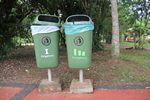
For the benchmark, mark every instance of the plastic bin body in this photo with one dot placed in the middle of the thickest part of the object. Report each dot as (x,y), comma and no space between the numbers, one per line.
(79,47)
(46,54)
(46,44)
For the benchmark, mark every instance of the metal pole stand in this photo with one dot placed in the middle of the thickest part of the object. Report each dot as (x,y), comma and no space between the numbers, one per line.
(81,76)
(49,75)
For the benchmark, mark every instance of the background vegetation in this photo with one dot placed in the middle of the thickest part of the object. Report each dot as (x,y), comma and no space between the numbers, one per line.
(17,16)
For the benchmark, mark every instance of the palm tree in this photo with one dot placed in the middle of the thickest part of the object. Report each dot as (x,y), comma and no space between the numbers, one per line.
(115,29)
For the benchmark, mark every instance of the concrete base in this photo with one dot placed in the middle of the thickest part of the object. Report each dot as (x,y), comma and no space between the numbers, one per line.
(78,87)
(49,87)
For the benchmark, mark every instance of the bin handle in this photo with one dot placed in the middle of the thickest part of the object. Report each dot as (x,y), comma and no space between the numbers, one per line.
(78,15)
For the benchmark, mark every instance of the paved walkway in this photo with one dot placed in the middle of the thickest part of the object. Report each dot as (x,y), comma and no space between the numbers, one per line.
(30,92)
(129,94)
(7,92)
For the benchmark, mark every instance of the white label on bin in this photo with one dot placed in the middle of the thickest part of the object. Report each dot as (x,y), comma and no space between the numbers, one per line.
(43,29)
(46,51)
(46,56)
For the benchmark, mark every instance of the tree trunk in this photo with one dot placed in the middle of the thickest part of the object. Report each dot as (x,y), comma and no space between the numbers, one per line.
(115,29)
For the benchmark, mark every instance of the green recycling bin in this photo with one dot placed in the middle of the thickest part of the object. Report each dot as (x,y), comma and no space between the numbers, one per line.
(78,30)
(45,32)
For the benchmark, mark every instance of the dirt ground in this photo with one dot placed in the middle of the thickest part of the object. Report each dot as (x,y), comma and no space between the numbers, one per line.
(22,68)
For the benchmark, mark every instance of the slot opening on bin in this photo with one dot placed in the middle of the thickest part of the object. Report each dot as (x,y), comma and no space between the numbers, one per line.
(48,18)
(78,18)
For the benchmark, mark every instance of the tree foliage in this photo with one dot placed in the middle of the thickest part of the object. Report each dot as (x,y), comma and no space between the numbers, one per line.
(135,14)
(12,13)
(18,15)
(99,11)
(92,8)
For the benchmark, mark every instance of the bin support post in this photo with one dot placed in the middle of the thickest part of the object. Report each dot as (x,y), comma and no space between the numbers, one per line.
(81,76)
(49,85)
(49,75)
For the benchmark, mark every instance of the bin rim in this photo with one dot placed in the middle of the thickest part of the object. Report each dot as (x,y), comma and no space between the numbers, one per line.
(79,22)
(37,22)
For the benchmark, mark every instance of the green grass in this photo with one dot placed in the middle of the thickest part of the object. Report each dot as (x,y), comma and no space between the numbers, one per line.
(138,56)
(137,68)
(141,78)
(132,44)
(127,43)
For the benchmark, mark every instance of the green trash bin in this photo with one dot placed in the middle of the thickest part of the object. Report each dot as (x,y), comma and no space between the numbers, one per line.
(78,30)
(45,31)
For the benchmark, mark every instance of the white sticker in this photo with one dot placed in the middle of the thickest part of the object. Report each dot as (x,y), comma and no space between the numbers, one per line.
(46,51)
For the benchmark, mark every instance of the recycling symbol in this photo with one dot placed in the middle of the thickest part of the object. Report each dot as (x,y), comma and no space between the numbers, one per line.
(46,41)
(78,41)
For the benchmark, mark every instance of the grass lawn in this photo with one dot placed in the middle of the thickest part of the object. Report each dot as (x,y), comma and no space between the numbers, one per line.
(132,44)
(138,69)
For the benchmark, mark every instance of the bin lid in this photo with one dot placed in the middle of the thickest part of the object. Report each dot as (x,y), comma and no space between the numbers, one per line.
(44,19)
(77,24)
